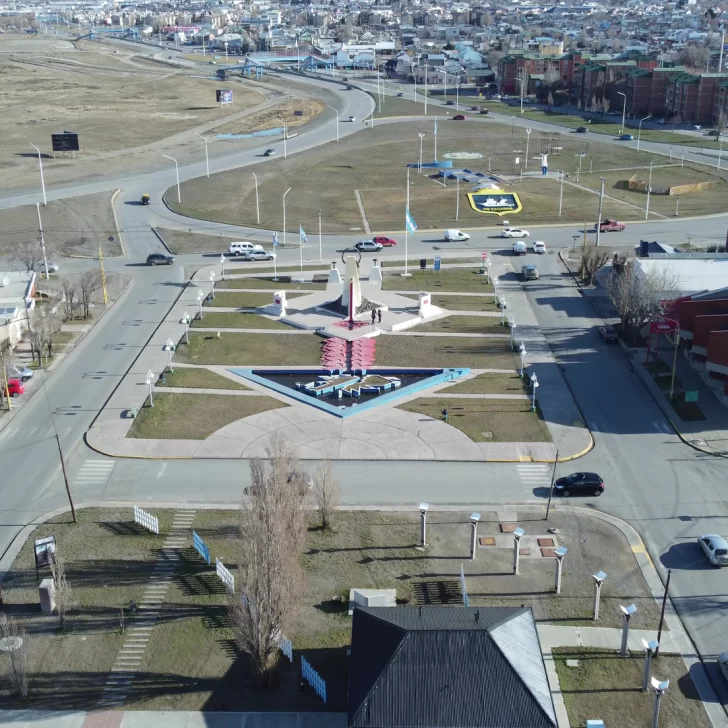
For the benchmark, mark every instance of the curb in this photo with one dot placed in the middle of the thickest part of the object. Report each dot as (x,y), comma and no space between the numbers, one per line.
(161,239)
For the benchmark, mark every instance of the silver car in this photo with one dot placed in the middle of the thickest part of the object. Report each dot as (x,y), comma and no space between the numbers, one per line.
(18,371)
(715,548)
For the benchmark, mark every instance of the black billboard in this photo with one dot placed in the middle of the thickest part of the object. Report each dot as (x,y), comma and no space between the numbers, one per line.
(224,96)
(65,142)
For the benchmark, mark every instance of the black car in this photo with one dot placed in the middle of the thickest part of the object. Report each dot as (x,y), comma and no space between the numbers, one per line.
(449,103)
(269,153)
(579,484)
(159,259)
(609,334)
(581,130)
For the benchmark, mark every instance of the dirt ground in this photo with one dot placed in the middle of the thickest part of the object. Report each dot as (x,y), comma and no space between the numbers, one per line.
(72,226)
(284,113)
(371,168)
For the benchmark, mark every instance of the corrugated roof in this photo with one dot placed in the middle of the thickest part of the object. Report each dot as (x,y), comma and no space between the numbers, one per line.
(443,667)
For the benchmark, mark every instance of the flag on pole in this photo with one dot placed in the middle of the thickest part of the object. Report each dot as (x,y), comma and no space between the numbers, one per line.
(302,235)
(275,240)
(435,126)
(409,221)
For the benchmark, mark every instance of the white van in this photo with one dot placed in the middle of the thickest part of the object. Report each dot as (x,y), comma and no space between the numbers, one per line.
(519,248)
(456,236)
(243,247)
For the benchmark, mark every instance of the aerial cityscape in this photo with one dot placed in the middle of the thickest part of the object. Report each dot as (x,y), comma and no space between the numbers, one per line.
(364,365)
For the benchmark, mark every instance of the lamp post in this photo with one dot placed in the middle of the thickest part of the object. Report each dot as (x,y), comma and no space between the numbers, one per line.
(421,135)
(457,199)
(169,346)
(624,110)
(457,97)
(474,518)
(561,193)
(513,328)
(222,266)
(560,553)
(150,382)
(520,80)
(200,296)
(649,179)
(528,139)
(660,688)
(599,578)
(285,136)
(649,648)
(321,254)
(534,386)
(257,205)
(502,304)
(495,289)
(212,284)
(647,204)
(517,533)
(176,169)
(522,352)
(720,149)
(207,158)
(423,524)
(42,180)
(337,121)
(186,322)
(639,130)
(627,612)
(284,216)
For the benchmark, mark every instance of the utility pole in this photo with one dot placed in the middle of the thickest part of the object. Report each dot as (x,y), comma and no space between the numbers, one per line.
(662,611)
(599,213)
(65,479)
(42,240)
(103,275)
(551,488)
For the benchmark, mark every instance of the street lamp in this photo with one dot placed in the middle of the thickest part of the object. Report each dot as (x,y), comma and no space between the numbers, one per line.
(257,204)
(42,181)
(212,284)
(639,130)
(522,352)
(495,286)
(649,648)
(285,136)
(599,578)
(627,612)
(150,382)
(423,524)
(660,688)
(520,80)
(647,203)
(502,303)
(337,121)
(720,147)
(534,385)
(169,346)
(513,328)
(560,553)
(528,139)
(222,266)
(186,322)
(517,533)
(284,216)
(200,296)
(474,518)
(207,158)
(421,135)
(624,110)
(176,168)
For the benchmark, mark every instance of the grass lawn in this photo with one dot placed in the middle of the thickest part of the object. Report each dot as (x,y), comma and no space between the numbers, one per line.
(251,349)
(506,421)
(177,416)
(180,242)
(250,269)
(198,378)
(489,383)
(415,262)
(607,686)
(463,303)
(451,279)
(393,106)
(687,411)
(282,284)
(465,325)
(243,300)
(443,351)
(64,337)
(226,320)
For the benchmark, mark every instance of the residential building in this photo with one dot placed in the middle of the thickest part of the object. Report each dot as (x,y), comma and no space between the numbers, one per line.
(17,289)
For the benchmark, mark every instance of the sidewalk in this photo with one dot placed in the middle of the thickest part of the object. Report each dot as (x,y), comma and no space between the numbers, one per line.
(610,638)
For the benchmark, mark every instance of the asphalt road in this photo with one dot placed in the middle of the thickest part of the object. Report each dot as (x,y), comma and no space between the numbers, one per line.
(669,492)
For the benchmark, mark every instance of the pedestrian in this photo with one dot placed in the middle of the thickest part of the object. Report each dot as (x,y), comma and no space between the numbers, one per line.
(374,316)
(379,315)
(444,415)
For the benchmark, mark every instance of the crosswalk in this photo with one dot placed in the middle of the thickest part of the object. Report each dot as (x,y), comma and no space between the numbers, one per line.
(534,475)
(94,472)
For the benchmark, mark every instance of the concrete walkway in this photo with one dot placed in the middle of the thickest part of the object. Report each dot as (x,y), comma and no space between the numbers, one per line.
(609,638)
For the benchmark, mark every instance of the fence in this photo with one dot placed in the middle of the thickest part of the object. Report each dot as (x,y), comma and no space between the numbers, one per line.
(225,576)
(147,520)
(201,547)
(287,648)
(313,678)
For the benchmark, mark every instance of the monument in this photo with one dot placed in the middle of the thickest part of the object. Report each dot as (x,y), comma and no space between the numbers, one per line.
(351,295)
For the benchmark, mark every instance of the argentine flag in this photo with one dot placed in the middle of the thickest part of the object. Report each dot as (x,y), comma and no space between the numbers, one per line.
(435,127)
(275,240)
(302,235)
(409,221)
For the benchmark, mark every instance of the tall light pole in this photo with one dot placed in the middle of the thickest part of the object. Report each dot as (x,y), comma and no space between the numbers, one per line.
(42,240)
(150,382)
(176,169)
(284,216)
(257,204)
(423,524)
(321,255)
(534,386)
(649,181)
(560,553)
(517,534)
(425,89)
(639,130)
(457,96)
(649,648)
(561,193)
(602,181)
(624,110)
(457,199)
(474,518)
(421,135)
(200,297)
(337,121)
(42,180)
(520,80)
(628,612)
(528,139)
(599,578)
(720,147)
(285,136)
(207,158)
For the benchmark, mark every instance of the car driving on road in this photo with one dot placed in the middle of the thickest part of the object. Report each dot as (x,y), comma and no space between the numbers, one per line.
(584,484)
(159,259)
(715,548)
(368,246)
(609,334)
(258,255)
(385,241)
(510,232)
(269,153)
(456,236)
(539,247)
(529,272)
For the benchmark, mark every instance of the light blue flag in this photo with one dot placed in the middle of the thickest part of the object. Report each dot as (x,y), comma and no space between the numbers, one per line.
(410,221)
(435,126)
(302,234)
(275,240)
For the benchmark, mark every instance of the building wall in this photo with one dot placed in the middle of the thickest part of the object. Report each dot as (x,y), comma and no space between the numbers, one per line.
(689,310)
(702,328)
(717,359)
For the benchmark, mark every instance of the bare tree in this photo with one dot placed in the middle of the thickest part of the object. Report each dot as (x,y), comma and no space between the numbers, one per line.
(592,259)
(69,286)
(326,492)
(27,252)
(36,337)
(61,588)
(638,298)
(14,631)
(88,283)
(52,323)
(272,530)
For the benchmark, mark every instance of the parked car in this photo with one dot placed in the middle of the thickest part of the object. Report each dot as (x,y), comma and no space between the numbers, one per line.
(626,138)
(269,153)
(609,334)
(459,117)
(456,236)
(529,272)
(510,232)
(539,247)
(15,388)
(579,484)
(18,371)
(159,259)
(258,255)
(715,548)
(582,130)
(368,246)
(243,246)
(611,226)
(384,241)
(519,248)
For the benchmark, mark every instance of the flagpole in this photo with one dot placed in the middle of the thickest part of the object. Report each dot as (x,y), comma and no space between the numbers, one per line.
(435,139)
(406,224)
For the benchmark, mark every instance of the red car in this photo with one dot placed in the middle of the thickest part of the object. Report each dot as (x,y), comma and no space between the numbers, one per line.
(15,387)
(612,226)
(459,117)
(386,242)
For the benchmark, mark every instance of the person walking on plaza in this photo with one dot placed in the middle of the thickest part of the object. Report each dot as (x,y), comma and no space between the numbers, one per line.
(379,315)
(374,316)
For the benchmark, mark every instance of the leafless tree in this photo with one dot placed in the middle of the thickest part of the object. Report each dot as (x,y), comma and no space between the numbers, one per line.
(638,298)
(88,283)
(36,337)
(69,286)
(10,628)
(52,323)
(592,259)
(61,588)
(272,530)
(27,252)
(694,57)
(326,492)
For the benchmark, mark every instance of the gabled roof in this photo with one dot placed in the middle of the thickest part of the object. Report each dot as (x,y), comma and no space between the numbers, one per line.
(447,667)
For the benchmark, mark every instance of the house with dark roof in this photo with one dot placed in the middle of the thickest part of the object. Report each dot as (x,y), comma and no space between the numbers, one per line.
(447,667)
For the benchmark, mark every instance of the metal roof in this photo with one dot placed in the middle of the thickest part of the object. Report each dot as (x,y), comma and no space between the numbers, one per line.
(447,667)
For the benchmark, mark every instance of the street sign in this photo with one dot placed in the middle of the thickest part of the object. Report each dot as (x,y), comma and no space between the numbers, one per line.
(437,263)
(692,396)
(662,327)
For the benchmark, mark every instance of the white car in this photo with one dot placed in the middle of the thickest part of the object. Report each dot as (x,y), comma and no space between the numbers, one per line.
(242,247)
(352,118)
(258,255)
(715,548)
(539,246)
(514,233)
(455,236)
(368,246)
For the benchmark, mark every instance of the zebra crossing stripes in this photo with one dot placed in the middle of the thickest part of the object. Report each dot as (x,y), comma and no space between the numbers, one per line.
(94,471)
(534,475)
